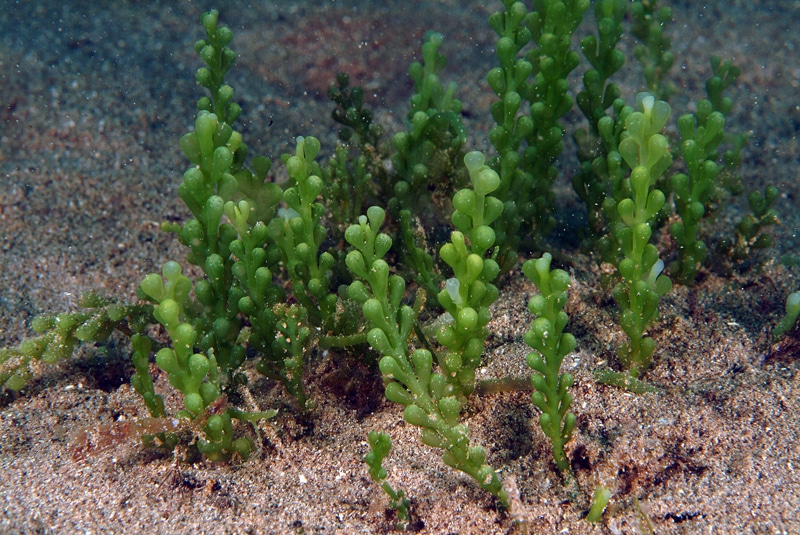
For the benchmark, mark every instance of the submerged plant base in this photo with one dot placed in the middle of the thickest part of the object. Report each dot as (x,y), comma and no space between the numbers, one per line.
(320,481)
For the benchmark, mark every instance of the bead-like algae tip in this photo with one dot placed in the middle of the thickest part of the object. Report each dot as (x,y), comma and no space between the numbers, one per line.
(793,304)
(647,102)
(790,319)
(452,286)
(474,160)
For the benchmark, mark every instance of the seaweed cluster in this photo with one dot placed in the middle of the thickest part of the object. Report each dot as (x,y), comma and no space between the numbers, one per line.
(398,246)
